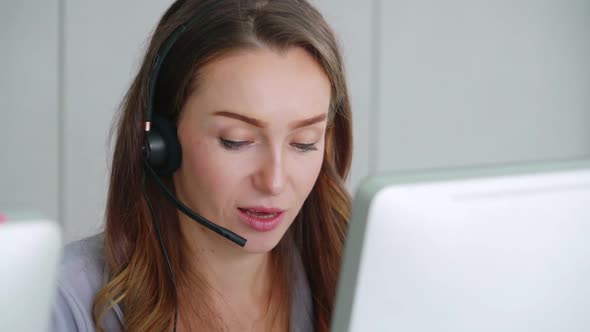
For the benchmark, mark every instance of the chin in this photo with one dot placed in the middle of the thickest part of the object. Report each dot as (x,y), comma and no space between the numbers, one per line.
(262,243)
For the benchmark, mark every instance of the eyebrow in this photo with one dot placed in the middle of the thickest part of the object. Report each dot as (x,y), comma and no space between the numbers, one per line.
(261,124)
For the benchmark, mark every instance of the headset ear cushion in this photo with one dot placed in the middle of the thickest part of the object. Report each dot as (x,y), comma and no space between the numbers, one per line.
(172,154)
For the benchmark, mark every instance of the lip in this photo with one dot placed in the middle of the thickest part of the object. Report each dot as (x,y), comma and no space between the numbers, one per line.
(261,224)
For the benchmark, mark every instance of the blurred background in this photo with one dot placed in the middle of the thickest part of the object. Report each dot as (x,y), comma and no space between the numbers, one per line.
(434,84)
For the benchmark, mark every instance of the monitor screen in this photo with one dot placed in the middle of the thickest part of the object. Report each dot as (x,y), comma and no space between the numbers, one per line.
(469,250)
(30,251)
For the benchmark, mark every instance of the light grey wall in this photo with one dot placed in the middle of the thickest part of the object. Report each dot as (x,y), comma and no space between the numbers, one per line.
(103,43)
(474,82)
(29,118)
(433,84)
(351,21)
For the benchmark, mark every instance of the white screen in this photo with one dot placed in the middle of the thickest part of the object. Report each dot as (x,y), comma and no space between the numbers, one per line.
(29,256)
(495,254)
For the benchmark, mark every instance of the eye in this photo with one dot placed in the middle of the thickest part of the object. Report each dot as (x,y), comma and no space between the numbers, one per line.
(305,147)
(233,145)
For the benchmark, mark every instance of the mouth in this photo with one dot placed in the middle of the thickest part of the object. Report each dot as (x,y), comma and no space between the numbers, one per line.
(262,219)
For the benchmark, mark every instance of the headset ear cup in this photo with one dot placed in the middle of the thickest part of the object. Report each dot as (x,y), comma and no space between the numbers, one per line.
(165,153)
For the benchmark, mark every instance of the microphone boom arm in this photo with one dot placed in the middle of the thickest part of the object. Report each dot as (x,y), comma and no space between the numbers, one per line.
(226,233)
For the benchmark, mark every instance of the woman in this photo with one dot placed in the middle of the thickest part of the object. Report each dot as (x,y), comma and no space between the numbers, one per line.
(254,94)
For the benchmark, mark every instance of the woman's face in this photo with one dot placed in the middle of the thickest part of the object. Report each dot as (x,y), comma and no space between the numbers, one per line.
(252,137)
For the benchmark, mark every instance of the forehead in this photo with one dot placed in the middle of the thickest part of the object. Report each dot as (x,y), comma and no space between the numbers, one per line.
(265,83)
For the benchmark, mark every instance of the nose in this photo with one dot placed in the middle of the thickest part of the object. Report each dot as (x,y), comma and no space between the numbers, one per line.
(270,176)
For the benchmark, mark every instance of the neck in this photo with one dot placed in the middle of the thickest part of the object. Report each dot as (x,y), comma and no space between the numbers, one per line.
(231,272)
(238,284)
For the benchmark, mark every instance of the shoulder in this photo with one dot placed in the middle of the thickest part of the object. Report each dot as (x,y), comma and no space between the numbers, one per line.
(82,264)
(81,275)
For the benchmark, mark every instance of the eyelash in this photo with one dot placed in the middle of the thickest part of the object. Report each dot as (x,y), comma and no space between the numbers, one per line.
(238,145)
(305,147)
(233,145)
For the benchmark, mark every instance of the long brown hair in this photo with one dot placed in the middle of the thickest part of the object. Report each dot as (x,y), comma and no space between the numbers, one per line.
(139,279)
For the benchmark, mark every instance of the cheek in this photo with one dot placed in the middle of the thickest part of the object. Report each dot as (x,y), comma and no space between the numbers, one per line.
(306,173)
(206,174)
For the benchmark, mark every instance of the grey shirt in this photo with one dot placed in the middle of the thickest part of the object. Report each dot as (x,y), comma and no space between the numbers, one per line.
(82,274)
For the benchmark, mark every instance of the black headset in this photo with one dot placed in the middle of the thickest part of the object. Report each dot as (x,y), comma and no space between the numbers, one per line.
(162,154)
(161,151)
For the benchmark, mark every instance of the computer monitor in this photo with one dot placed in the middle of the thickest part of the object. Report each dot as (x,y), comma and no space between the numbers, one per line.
(29,257)
(502,249)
